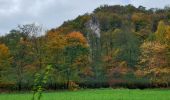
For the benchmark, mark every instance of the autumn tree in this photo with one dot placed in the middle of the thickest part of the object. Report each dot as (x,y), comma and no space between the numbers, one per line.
(153,62)
(5,61)
(76,55)
(163,35)
(161,32)
(54,46)
(21,50)
(68,54)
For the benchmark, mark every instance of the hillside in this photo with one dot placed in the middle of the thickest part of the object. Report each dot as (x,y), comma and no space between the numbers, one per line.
(114,46)
(137,25)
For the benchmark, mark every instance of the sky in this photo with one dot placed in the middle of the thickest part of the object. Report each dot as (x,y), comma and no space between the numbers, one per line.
(52,13)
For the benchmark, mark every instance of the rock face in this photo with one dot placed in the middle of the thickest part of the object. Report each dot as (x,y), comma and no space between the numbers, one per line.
(94,26)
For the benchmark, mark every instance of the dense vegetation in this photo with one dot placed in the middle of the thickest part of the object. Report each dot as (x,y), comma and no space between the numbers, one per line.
(115,46)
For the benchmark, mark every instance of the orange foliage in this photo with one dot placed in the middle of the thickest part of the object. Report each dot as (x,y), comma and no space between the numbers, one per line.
(4,52)
(77,37)
(4,56)
(55,40)
(140,17)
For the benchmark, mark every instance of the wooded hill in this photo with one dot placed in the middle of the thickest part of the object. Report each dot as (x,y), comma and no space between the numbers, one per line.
(115,46)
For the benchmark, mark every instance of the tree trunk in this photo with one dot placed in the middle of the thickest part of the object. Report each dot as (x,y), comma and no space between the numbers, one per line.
(68,79)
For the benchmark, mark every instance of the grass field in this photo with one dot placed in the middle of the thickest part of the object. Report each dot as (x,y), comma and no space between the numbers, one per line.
(98,94)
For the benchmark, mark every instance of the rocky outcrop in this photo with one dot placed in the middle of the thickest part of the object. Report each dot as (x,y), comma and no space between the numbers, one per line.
(94,26)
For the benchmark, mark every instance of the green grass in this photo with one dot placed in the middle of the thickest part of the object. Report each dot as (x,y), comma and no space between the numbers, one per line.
(97,94)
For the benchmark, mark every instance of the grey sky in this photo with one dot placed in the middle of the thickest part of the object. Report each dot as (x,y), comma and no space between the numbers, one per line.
(52,13)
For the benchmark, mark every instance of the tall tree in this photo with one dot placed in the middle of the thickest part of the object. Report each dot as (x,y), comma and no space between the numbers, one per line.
(5,61)
(54,46)
(76,51)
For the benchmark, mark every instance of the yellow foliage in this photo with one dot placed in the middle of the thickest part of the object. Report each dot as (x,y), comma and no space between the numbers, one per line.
(153,62)
(163,33)
(153,46)
(167,37)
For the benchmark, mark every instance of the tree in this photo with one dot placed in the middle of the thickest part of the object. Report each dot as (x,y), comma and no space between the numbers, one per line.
(153,62)
(54,46)
(120,53)
(161,32)
(5,61)
(142,24)
(37,41)
(76,50)
(22,55)
(163,36)
(127,43)
(167,38)
(68,54)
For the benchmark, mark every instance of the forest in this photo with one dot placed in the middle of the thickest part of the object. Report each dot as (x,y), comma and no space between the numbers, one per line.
(114,46)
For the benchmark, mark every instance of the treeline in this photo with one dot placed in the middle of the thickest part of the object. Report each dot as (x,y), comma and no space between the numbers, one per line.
(115,46)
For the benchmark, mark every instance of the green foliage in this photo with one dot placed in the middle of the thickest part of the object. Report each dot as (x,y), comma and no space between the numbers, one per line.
(5,62)
(39,81)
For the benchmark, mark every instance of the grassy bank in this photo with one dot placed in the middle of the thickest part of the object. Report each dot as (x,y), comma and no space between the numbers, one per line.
(96,94)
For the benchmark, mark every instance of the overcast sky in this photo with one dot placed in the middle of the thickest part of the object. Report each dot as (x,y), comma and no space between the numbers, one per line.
(52,13)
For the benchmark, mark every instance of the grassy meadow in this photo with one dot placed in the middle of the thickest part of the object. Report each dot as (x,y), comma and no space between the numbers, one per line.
(96,94)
